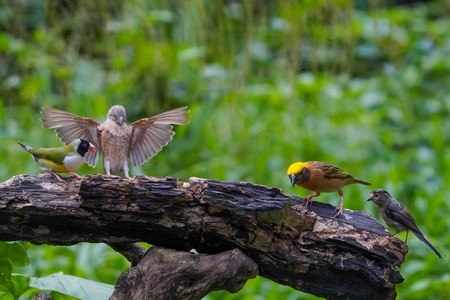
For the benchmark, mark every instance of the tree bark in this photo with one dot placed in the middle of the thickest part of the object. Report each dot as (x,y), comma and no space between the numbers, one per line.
(170,274)
(350,257)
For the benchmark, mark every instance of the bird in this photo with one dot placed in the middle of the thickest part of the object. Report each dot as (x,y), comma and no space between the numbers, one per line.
(66,159)
(397,217)
(321,177)
(139,141)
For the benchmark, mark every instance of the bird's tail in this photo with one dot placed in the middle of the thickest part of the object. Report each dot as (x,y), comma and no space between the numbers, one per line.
(421,237)
(25,147)
(357,180)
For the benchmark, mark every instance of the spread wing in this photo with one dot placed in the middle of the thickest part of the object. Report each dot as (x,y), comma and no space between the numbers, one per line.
(150,135)
(70,127)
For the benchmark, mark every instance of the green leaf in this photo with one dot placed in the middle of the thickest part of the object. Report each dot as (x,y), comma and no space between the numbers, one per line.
(21,285)
(73,286)
(5,294)
(5,275)
(15,253)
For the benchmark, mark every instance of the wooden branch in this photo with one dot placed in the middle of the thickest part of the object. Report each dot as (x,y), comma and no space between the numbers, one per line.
(131,251)
(350,257)
(169,274)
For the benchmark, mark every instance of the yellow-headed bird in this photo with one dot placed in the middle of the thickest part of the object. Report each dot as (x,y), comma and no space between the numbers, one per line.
(62,159)
(321,177)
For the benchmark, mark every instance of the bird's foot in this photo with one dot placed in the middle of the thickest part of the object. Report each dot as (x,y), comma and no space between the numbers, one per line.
(298,207)
(307,201)
(339,212)
(74,175)
(59,178)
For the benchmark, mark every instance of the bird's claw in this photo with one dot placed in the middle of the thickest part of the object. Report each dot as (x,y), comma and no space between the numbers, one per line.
(59,178)
(307,201)
(339,212)
(297,207)
(74,175)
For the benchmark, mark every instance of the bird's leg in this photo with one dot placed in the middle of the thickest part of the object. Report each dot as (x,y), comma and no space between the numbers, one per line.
(406,239)
(59,178)
(308,199)
(125,168)
(74,175)
(393,235)
(107,167)
(340,209)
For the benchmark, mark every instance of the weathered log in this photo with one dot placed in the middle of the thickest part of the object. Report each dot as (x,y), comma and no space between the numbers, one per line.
(352,256)
(170,274)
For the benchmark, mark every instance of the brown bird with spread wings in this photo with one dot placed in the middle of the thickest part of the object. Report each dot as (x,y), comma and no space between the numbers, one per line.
(139,141)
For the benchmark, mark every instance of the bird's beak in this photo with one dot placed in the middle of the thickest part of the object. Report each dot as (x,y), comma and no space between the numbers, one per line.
(293,179)
(370,197)
(92,148)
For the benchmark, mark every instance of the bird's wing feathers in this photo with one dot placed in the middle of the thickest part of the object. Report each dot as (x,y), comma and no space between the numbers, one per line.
(55,155)
(404,217)
(177,116)
(330,171)
(70,127)
(150,135)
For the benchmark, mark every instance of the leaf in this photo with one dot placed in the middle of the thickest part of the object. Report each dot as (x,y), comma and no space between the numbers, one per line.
(5,294)
(5,275)
(21,286)
(15,253)
(73,286)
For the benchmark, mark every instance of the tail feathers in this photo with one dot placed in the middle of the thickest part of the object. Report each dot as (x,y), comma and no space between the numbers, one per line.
(25,147)
(357,180)
(421,237)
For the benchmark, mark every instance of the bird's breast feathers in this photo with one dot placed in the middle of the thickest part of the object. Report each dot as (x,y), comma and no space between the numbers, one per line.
(319,183)
(116,140)
(70,164)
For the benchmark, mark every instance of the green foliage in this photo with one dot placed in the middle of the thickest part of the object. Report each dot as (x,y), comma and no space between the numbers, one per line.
(60,286)
(260,289)
(75,286)
(12,286)
(266,85)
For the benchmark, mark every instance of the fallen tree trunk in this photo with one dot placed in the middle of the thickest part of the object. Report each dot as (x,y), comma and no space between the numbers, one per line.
(350,257)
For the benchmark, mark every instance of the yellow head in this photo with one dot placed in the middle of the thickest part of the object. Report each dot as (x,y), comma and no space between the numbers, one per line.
(295,173)
(296,167)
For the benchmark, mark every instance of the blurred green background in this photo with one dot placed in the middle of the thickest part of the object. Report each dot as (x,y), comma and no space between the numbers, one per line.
(362,85)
